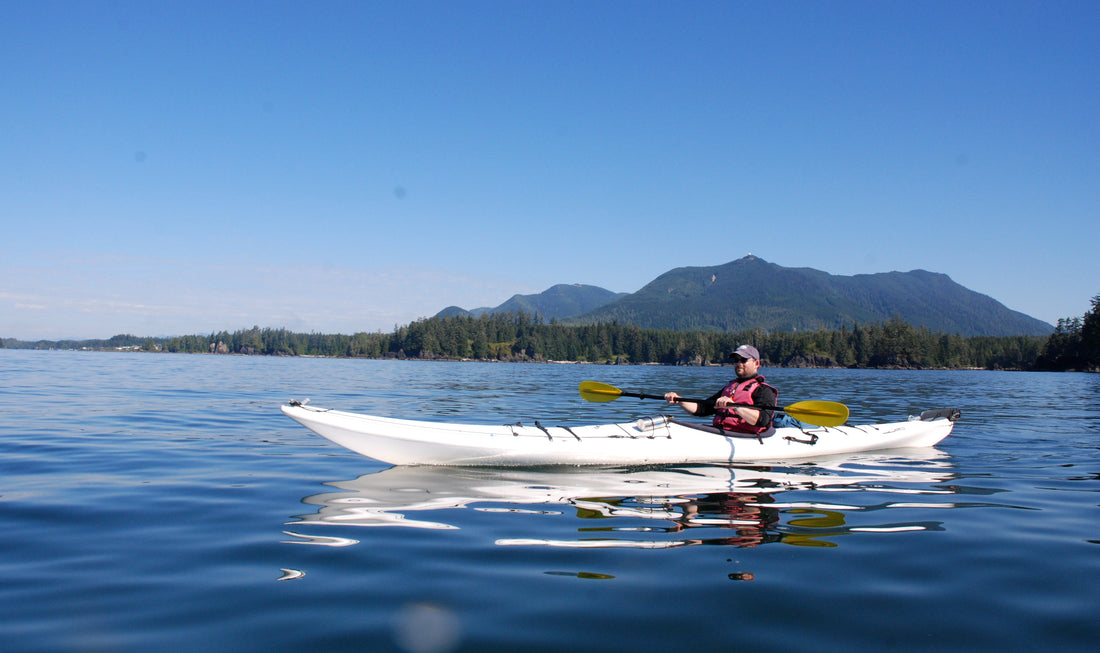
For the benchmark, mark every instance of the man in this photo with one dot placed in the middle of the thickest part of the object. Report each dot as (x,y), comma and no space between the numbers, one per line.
(749,389)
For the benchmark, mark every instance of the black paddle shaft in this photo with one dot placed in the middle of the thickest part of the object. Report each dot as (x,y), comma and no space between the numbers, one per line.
(642,395)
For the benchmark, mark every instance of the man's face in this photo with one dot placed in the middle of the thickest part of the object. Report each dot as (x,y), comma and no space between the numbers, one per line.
(745,367)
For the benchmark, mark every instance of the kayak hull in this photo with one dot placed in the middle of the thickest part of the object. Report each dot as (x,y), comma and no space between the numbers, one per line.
(651,441)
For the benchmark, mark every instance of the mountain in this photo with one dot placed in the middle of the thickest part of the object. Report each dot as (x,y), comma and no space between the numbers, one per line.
(558,302)
(752,293)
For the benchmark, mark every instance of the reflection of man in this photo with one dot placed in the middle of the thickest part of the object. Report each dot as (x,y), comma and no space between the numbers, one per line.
(741,512)
(749,389)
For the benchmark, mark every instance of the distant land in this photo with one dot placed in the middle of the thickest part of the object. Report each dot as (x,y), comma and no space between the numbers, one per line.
(751,293)
(796,317)
(559,302)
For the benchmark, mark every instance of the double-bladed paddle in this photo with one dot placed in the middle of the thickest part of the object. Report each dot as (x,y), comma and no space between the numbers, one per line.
(818,413)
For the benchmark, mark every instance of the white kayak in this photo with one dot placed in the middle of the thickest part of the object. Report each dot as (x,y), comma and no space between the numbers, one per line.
(657,440)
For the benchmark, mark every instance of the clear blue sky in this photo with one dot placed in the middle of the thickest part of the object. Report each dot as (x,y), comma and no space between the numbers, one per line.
(185,167)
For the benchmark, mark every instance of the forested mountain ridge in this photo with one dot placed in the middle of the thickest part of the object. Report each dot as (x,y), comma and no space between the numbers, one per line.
(751,293)
(558,302)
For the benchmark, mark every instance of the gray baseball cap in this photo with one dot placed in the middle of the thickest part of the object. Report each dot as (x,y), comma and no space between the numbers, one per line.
(746,351)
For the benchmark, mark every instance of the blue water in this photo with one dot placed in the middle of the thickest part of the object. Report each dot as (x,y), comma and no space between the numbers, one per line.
(156,501)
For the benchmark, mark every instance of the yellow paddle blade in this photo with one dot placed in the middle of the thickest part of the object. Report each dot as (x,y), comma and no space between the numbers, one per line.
(818,413)
(599,392)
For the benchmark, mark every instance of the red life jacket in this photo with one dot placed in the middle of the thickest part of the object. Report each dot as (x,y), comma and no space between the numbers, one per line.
(741,393)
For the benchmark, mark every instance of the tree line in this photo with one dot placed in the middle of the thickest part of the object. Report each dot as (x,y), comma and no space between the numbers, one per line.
(518,337)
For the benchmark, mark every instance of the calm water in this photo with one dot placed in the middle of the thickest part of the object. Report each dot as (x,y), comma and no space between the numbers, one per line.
(162,500)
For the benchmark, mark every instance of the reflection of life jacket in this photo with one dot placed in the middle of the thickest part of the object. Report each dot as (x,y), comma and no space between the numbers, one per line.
(741,393)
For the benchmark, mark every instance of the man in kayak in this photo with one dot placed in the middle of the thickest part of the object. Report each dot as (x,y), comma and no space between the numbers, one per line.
(749,388)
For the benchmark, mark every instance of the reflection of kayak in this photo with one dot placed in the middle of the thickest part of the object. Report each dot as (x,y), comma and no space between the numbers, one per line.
(635,500)
(435,488)
(651,441)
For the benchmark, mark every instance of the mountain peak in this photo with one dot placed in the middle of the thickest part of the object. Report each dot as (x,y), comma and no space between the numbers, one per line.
(751,293)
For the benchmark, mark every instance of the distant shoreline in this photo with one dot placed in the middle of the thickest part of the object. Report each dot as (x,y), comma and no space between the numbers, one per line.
(440,359)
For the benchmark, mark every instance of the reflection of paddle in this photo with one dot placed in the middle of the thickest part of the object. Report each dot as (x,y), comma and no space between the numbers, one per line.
(818,413)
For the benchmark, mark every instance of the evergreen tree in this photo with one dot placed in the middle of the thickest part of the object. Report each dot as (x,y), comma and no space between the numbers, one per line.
(1075,343)
(1090,336)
